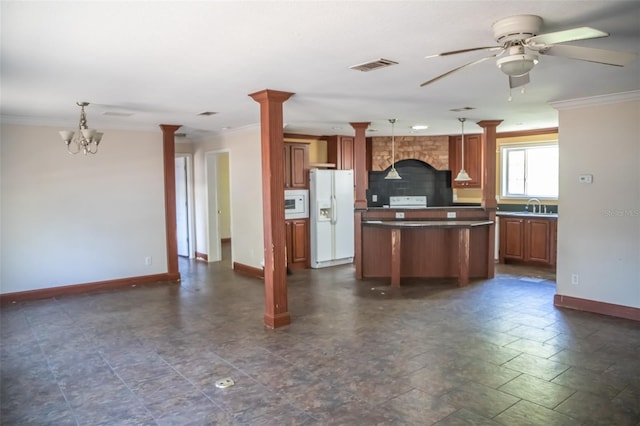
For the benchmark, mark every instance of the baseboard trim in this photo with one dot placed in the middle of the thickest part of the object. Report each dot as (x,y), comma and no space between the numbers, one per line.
(202,256)
(248,270)
(596,307)
(67,290)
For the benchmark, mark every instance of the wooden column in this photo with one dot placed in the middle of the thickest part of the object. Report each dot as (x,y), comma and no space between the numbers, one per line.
(360,164)
(276,309)
(489,188)
(396,243)
(463,256)
(169,164)
(361,185)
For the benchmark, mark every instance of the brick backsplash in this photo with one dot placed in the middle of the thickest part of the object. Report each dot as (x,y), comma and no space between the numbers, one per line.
(433,150)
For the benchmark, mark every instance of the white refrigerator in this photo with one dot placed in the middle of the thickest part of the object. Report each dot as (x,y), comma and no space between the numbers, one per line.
(332,223)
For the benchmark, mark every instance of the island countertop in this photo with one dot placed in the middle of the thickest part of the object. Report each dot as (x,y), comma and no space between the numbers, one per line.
(427,223)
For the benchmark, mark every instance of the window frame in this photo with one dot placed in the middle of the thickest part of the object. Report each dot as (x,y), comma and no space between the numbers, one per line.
(506,146)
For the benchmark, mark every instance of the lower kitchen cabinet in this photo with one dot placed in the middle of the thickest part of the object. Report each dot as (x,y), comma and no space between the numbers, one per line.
(297,240)
(528,239)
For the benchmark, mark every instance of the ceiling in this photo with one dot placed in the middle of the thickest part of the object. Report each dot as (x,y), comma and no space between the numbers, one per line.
(141,64)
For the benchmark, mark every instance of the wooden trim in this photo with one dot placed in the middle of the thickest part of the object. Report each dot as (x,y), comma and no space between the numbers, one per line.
(248,270)
(202,256)
(534,132)
(225,240)
(68,290)
(597,307)
(169,165)
(358,243)
(298,136)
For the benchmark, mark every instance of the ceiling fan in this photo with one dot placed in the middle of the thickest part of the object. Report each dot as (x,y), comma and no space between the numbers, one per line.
(520,44)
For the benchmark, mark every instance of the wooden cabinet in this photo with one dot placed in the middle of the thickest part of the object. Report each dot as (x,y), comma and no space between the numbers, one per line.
(528,239)
(296,165)
(340,152)
(297,241)
(472,160)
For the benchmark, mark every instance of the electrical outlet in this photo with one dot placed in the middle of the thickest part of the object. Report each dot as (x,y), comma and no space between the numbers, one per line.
(451,215)
(148,260)
(399,215)
(374,198)
(575,279)
(585,178)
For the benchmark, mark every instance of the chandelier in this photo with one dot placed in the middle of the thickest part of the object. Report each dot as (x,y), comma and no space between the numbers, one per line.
(86,140)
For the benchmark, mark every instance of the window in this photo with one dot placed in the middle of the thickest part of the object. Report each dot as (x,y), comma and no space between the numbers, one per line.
(530,170)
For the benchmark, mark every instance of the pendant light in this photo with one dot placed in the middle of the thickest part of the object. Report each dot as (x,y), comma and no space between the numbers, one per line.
(463,176)
(393,173)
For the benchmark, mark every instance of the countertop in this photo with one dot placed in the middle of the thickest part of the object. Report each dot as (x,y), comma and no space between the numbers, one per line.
(527,214)
(427,223)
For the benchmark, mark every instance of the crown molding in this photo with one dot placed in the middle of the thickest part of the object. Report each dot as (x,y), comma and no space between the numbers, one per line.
(614,98)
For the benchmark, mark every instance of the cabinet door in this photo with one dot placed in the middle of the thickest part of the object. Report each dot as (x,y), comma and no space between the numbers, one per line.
(346,152)
(299,232)
(299,155)
(512,238)
(472,160)
(287,165)
(538,247)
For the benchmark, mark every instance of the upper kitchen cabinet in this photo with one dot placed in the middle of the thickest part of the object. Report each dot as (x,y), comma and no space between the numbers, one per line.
(340,151)
(296,165)
(472,160)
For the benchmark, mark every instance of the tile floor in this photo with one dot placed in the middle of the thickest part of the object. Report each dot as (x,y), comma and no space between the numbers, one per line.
(357,353)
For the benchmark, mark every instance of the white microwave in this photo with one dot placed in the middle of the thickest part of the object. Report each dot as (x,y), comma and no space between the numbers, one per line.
(296,203)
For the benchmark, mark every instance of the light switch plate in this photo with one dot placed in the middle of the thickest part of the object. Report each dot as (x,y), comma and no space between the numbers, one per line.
(585,178)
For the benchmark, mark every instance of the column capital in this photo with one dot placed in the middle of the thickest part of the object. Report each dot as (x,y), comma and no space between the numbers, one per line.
(270,95)
(488,123)
(171,128)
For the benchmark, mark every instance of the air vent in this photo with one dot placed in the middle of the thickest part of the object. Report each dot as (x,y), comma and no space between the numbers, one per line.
(373,65)
(461,109)
(207,113)
(118,114)
(180,135)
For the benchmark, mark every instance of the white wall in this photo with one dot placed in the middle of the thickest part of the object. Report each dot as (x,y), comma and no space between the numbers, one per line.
(245,184)
(599,223)
(71,219)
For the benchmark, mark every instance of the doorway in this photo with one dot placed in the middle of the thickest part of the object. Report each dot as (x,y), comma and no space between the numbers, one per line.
(184,205)
(218,204)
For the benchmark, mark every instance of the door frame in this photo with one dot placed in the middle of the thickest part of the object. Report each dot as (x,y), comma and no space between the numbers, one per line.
(190,204)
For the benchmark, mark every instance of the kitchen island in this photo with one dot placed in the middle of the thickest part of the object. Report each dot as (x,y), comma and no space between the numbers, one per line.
(426,243)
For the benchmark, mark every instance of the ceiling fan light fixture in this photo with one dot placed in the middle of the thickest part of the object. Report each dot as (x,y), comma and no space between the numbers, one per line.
(517,65)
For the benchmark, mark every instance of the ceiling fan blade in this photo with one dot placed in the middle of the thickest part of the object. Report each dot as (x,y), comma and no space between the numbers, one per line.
(455,52)
(581,33)
(518,81)
(600,56)
(477,61)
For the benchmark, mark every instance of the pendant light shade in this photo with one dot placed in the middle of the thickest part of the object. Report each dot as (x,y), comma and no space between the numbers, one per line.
(463,176)
(393,173)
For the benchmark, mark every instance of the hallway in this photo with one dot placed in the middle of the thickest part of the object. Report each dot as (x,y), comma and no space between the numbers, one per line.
(357,352)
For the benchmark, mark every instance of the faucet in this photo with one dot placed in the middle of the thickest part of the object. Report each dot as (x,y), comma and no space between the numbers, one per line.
(532,200)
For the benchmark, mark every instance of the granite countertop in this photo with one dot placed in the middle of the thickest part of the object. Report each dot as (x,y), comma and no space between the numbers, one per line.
(426,208)
(427,223)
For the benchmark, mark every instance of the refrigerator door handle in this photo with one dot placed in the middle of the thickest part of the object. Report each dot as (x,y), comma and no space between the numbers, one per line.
(334,208)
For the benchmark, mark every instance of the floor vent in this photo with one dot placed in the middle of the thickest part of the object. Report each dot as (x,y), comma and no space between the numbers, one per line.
(373,65)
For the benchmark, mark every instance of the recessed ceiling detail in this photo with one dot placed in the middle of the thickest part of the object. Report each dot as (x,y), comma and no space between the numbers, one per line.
(373,65)
(461,109)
